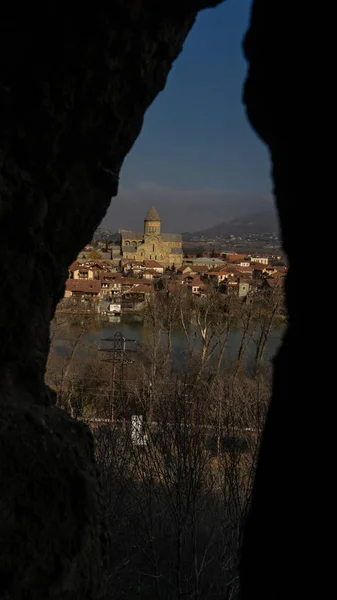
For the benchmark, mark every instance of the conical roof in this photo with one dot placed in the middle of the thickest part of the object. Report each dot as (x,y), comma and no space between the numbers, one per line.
(152,215)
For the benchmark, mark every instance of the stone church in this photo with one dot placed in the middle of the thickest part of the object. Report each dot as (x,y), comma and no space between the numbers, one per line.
(152,244)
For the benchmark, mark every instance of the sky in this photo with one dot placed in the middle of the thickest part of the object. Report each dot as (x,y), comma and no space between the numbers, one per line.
(197,158)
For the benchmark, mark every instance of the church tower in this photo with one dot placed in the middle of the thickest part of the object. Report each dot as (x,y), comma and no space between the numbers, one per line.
(152,222)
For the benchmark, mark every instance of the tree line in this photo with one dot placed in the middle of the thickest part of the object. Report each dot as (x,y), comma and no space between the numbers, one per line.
(176,491)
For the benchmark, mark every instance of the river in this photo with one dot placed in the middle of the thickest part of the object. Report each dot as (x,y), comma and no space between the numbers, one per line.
(132,327)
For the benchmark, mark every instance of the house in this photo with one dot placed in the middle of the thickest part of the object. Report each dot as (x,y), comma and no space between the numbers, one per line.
(153,264)
(243,263)
(199,269)
(105,288)
(222,275)
(229,272)
(262,260)
(150,274)
(281,270)
(261,271)
(139,266)
(258,271)
(237,258)
(184,270)
(214,276)
(79,271)
(109,283)
(229,286)
(192,270)
(125,283)
(188,278)
(136,266)
(204,261)
(138,293)
(195,286)
(117,284)
(246,271)
(97,267)
(82,287)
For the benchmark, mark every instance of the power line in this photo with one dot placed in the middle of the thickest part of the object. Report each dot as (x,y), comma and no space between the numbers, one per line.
(119,352)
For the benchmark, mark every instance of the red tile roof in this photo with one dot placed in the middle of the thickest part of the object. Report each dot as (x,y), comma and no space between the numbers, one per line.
(277,275)
(244,269)
(73,266)
(125,280)
(196,281)
(198,268)
(232,256)
(140,289)
(85,286)
(229,270)
(152,263)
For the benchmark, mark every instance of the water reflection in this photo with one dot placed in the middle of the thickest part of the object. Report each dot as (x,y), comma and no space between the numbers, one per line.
(133,326)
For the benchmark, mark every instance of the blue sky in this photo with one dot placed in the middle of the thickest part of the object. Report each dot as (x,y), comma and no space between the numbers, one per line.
(196,148)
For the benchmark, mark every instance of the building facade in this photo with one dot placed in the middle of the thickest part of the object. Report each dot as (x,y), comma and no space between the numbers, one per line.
(152,244)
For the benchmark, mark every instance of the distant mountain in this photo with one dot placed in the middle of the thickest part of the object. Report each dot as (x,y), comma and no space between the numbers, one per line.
(180,210)
(105,235)
(187,236)
(262,222)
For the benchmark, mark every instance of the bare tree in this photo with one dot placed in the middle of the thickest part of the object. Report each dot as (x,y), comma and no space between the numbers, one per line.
(270,305)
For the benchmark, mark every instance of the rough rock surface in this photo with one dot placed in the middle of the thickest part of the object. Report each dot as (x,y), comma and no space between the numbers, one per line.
(284,548)
(74,86)
(53,543)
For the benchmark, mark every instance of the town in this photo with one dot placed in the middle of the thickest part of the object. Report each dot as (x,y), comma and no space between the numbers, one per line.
(112,278)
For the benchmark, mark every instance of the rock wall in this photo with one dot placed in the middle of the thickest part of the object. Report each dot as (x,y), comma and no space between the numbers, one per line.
(75,83)
(283,553)
(74,86)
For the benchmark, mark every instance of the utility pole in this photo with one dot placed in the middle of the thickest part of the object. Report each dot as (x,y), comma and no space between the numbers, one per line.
(118,358)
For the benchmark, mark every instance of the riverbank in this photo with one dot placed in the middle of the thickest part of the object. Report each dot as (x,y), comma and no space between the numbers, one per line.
(95,328)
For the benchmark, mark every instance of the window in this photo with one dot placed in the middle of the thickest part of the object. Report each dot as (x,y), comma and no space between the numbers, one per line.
(153,247)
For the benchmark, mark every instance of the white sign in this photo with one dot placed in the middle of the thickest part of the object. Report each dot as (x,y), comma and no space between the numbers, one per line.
(115,308)
(137,435)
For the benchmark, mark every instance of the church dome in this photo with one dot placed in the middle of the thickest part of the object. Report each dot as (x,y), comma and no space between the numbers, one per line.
(152,215)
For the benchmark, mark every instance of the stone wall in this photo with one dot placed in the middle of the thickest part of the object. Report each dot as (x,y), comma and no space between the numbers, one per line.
(154,248)
(74,87)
